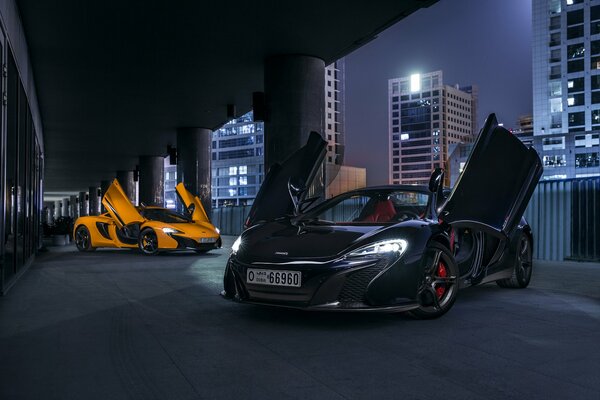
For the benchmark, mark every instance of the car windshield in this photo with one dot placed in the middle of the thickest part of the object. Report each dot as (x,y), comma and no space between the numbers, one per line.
(164,215)
(371,207)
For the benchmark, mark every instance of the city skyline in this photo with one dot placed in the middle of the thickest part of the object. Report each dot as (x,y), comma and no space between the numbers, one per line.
(486,43)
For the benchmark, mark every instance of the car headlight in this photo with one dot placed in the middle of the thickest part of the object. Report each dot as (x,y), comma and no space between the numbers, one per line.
(170,230)
(236,245)
(385,247)
(218,230)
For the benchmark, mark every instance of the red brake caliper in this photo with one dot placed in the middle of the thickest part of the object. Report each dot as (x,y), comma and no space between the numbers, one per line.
(442,273)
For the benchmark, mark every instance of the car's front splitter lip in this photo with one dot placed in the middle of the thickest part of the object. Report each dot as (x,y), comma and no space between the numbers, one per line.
(333,307)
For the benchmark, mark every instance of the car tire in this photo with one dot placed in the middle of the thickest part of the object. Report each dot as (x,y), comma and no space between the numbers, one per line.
(439,286)
(148,242)
(83,239)
(521,274)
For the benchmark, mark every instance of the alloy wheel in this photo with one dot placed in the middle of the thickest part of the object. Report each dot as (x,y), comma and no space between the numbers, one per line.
(149,242)
(524,266)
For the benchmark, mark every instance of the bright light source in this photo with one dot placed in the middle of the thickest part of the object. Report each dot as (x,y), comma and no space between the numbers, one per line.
(404,136)
(415,82)
(236,245)
(570,84)
(571,101)
(569,2)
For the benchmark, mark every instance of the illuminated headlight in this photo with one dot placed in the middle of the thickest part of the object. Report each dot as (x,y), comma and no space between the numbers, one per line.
(236,245)
(218,230)
(170,230)
(386,247)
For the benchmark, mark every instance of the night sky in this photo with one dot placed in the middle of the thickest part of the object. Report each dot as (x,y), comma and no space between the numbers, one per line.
(481,42)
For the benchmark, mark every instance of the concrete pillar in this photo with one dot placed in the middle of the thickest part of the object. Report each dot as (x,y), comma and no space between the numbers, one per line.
(104,185)
(64,212)
(93,201)
(83,204)
(57,209)
(193,162)
(125,178)
(73,207)
(152,180)
(294,87)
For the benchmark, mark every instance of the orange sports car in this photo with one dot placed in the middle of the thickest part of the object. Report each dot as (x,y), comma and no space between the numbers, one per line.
(151,229)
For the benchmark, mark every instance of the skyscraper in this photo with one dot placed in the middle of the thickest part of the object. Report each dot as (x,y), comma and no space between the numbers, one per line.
(566,86)
(425,118)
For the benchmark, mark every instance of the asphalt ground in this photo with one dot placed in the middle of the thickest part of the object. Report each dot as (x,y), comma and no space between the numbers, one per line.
(115,324)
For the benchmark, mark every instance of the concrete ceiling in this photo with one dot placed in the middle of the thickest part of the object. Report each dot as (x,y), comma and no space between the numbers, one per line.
(116,78)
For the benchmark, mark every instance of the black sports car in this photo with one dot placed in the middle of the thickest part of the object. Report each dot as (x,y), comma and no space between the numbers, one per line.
(390,248)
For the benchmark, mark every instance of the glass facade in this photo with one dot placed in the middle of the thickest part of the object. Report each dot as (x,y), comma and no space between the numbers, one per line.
(566,86)
(426,117)
(20,177)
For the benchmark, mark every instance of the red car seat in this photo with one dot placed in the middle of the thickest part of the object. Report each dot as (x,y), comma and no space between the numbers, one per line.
(384,212)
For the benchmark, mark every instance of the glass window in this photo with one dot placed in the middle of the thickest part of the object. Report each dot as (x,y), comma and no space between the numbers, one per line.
(571,2)
(553,143)
(573,32)
(595,63)
(232,170)
(243,180)
(594,13)
(577,118)
(556,120)
(595,27)
(575,85)
(554,6)
(554,161)
(575,17)
(595,119)
(555,55)
(596,97)
(555,88)
(232,181)
(555,22)
(589,139)
(575,66)
(576,50)
(556,105)
(587,160)
(575,100)
(595,47)
(555,72)
(595,82)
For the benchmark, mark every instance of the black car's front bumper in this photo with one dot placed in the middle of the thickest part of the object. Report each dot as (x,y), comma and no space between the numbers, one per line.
(370,284)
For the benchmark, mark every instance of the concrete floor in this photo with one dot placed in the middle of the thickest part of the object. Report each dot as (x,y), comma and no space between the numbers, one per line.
(115,324)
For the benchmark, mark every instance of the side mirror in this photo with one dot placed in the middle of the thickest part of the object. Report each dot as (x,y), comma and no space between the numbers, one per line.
(437,180)
(436,187)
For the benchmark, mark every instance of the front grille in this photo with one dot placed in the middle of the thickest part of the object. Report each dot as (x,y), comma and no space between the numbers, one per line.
(355,287)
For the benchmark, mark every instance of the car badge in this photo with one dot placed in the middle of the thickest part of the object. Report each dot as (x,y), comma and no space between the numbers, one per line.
(281,253)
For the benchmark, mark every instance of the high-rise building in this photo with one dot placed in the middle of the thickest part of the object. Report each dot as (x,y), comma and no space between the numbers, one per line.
(425,118)
(566,87)
(237,150)
(237,161)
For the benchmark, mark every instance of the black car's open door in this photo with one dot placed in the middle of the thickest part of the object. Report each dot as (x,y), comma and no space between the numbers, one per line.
(496,185)
(273,199)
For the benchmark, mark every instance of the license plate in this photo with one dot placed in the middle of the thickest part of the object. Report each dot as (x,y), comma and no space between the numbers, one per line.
(208,240)
(274,278)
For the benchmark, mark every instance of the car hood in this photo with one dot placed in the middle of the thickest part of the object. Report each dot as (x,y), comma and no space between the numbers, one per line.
(280,241)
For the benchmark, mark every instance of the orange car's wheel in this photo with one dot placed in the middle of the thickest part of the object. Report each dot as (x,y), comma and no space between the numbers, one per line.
(83,240)
(148,242)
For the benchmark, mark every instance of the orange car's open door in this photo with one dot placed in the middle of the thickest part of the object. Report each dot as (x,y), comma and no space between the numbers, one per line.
(119,207)
(192,204)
